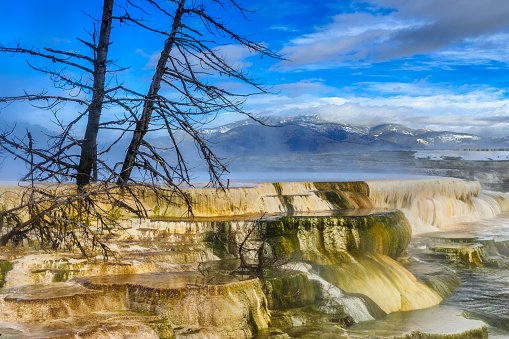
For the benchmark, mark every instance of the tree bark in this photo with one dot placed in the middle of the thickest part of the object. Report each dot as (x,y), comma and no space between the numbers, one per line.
(89,145)
(142,125)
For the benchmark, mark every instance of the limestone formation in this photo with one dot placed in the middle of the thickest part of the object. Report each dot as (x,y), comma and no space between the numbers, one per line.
(171,274)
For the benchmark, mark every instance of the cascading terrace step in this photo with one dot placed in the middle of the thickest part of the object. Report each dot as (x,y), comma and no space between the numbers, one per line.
(31,303)
(64,310)
(172,257)
(94,325)
(192,302)
(454,238)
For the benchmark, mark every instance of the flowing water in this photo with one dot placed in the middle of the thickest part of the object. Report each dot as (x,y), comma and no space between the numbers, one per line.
(484,291)
(483,294)
(451,205)
(353,306)
(438,320)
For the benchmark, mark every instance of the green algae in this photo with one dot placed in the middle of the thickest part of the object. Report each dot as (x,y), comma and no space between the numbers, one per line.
(381,233)
(219,240)
(278,188)
(345,195)
(62,275)
(163,328)
(5,266)
(284,246)
(336,199)
(330,236)
(387,234)
(292,291)
(311,237)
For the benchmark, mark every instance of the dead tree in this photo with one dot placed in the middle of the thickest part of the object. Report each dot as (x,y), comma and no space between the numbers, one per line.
(188,59)
(59,216)
(70,158)
(89,144)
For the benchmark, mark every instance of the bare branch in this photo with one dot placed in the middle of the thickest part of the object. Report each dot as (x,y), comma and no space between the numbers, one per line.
(47,56)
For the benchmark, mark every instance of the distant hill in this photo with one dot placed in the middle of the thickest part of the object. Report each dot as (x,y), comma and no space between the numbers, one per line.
(294,135)
(311,134)
(412,138)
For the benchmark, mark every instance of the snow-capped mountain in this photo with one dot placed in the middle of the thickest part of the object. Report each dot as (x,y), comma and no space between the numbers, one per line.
(301,134)
(312,134)
(412,138)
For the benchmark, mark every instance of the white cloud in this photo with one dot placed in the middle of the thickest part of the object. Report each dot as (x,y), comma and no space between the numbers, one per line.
(235,55)
(283,28)
(456,31)
(304,87)
(152,59)
(477,110)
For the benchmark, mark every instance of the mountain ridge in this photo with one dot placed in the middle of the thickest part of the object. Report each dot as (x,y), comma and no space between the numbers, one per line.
(313,134)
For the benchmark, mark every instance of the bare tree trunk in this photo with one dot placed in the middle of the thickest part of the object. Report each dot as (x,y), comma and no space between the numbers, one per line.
(143,124)
(89,145)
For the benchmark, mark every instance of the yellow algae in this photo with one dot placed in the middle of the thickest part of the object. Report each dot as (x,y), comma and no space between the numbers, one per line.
(37,303)
(383,280)
(230,308)
(434,202)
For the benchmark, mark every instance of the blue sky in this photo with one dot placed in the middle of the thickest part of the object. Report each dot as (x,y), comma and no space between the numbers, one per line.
(423,63)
